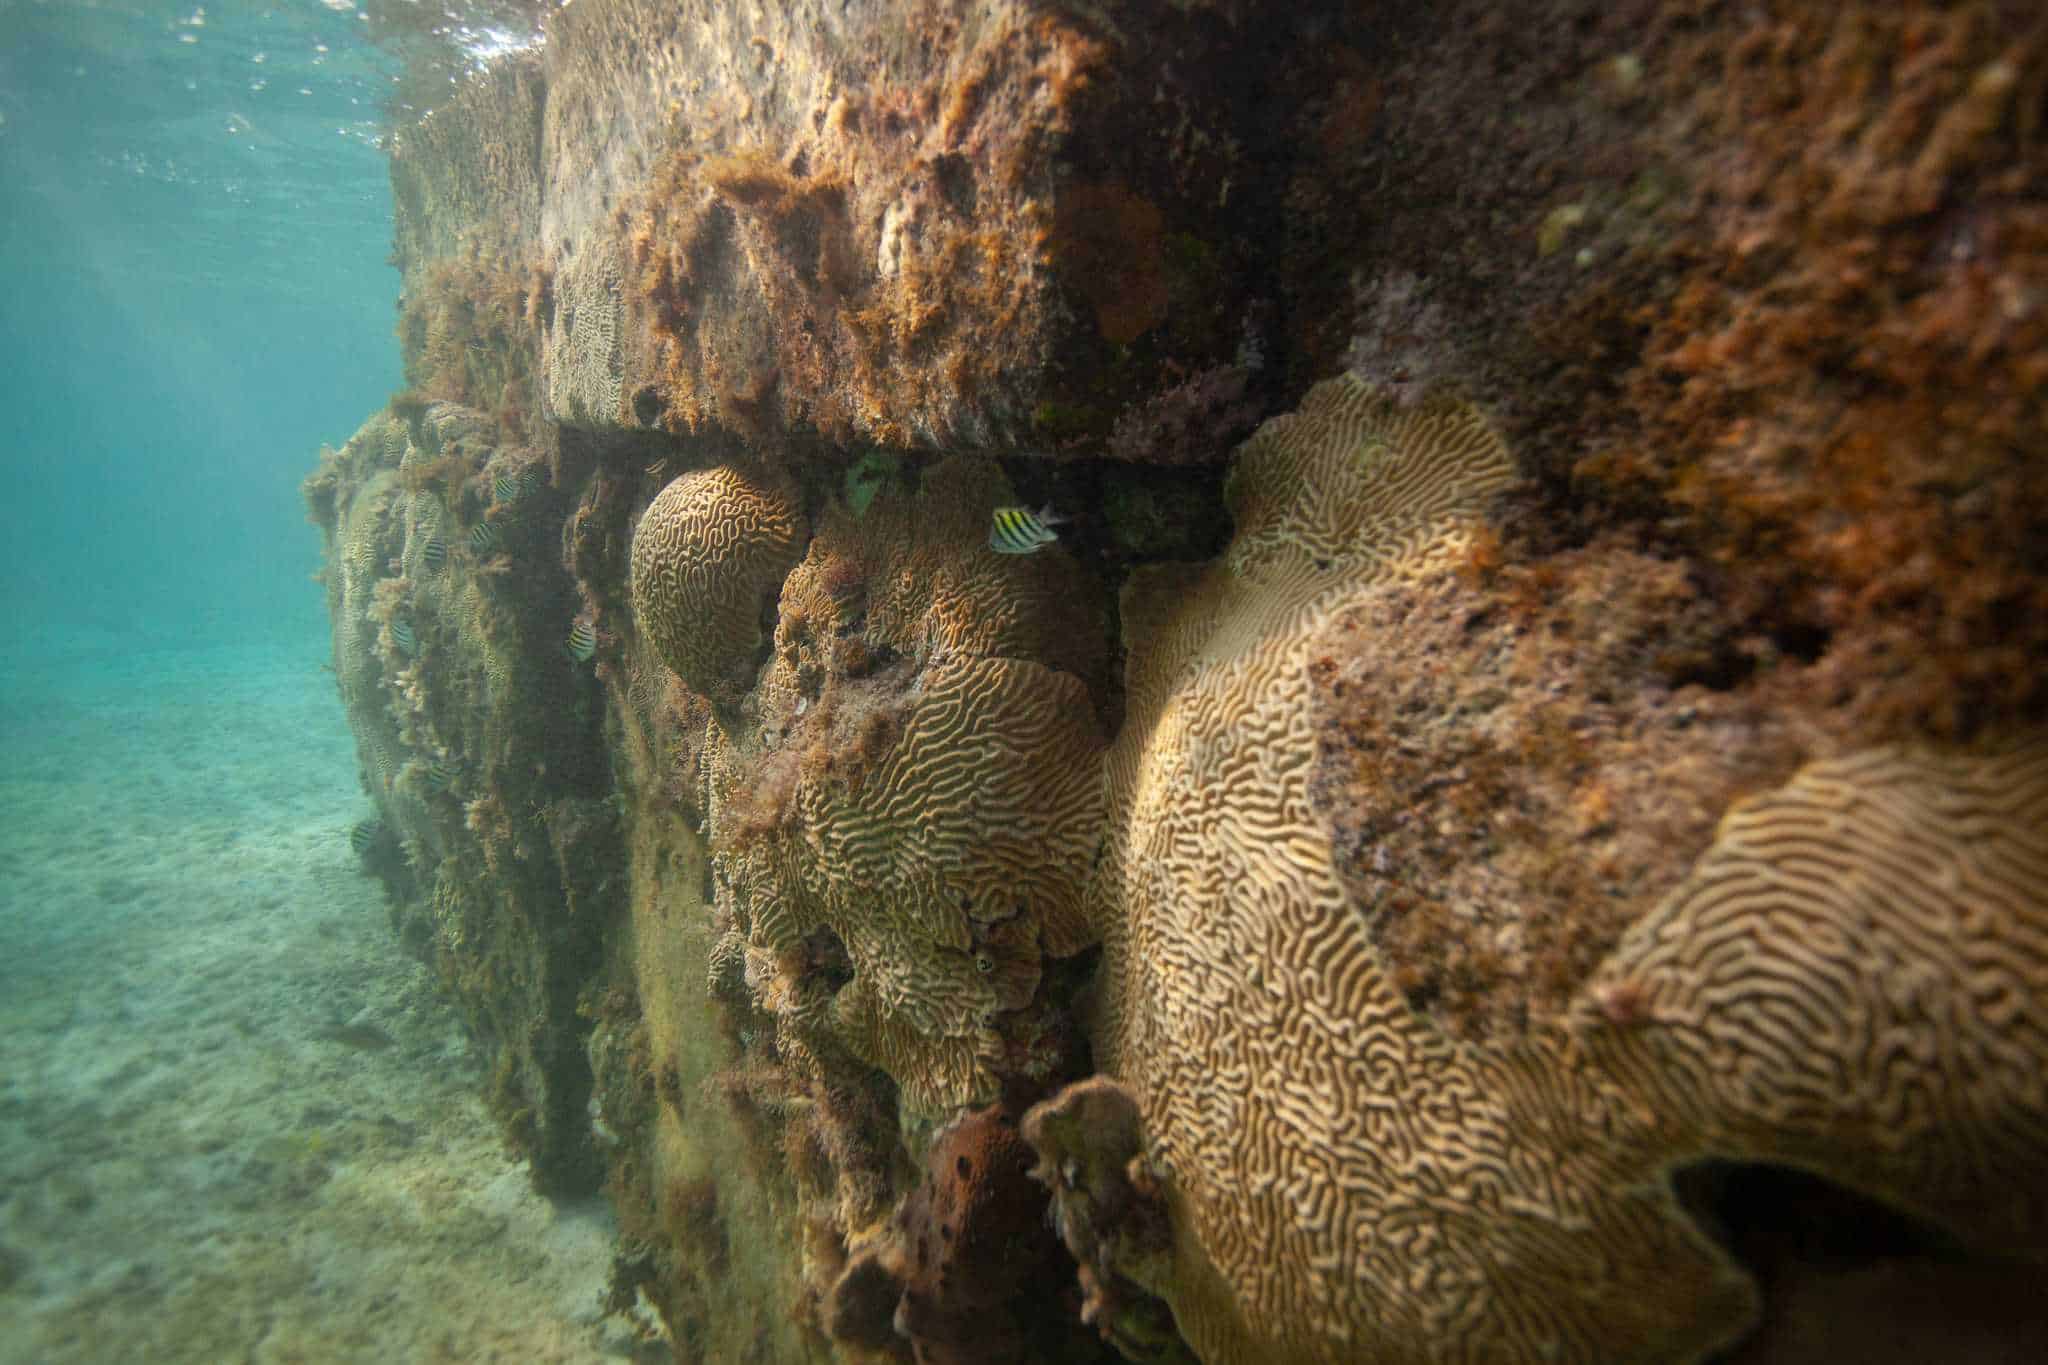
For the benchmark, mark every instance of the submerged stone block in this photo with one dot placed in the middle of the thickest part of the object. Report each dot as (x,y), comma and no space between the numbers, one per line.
(932,224)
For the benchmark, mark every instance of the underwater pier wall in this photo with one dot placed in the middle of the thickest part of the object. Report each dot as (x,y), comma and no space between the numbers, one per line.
(1510,821)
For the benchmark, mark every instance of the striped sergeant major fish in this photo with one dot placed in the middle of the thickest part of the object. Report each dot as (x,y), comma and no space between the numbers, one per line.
(582,642)
(507,486)
(1021,531)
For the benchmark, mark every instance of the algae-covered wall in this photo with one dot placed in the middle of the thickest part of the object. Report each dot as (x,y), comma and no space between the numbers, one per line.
(1511,823)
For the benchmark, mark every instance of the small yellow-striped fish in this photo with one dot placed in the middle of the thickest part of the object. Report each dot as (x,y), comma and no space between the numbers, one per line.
(508,486)
(441,775)
(364,833)
(1021,531)
(402,636)
(434,553)
(582,642)
(484,537)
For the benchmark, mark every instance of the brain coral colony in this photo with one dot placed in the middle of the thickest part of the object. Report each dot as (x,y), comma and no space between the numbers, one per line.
(1072,721)
(916,785)
(1304,1130)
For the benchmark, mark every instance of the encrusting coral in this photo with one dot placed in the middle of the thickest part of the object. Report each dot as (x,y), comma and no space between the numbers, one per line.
(1345,1181)
(919,791)
(435,660)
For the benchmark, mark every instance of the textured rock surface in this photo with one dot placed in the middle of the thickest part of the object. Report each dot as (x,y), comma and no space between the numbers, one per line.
(1758,282)
(1534,896)
(479,749)
(905,224)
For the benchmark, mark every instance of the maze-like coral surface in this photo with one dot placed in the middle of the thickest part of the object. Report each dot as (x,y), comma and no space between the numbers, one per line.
(1849,980)
(709,548)
(1855,979)
(1337,1163)
(945,874)
(922,793)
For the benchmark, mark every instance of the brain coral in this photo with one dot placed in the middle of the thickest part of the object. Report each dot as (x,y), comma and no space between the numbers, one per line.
(709,549)
(584,361)
(1898,1039)
(1344,1181)
(904,834)
(1513,766)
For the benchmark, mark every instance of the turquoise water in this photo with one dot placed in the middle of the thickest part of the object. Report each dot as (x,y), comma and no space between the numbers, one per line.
(193,297)
(236,1122)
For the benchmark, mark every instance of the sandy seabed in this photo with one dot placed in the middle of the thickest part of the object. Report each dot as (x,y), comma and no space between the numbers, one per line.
(236,1122)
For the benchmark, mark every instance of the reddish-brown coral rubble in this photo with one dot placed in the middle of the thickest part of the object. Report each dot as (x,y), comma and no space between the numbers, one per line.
(962,1270)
